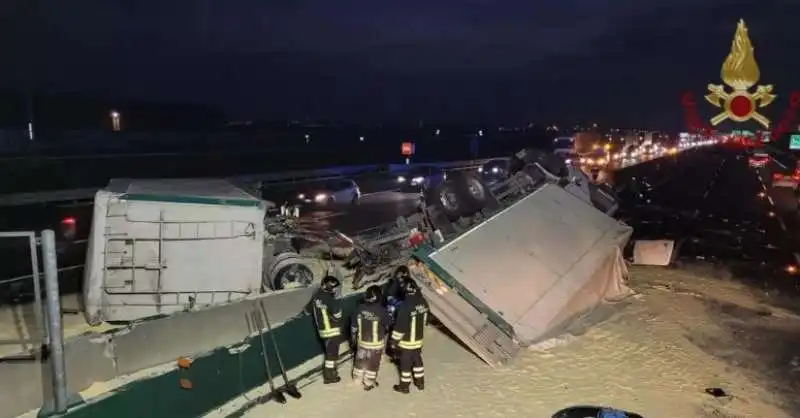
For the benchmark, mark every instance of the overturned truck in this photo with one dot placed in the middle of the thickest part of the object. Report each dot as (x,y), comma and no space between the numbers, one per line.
(524,259)
(503,266)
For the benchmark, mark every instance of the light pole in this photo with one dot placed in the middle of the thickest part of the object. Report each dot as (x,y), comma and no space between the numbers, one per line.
(115,121)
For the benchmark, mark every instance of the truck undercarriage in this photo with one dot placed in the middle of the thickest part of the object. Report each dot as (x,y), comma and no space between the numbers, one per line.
(457,205)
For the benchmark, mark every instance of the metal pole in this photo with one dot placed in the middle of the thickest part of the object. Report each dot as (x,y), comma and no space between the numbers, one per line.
(56,333)
(38,308)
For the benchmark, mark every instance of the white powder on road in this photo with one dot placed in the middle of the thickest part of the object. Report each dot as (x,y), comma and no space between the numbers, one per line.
(683,333)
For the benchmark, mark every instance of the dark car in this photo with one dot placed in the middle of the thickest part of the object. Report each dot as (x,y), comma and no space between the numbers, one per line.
(494,170)
(420,178)
(335,191)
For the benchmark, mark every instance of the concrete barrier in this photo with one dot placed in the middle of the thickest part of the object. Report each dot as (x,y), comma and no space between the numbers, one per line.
(216,377)
(95,358)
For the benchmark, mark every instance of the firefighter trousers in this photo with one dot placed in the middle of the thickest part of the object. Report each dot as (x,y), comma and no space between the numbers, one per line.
(331,346)
(366,365)
(411,367)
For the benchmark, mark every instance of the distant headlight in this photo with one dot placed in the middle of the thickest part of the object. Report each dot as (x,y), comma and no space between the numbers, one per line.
(401,179)
(321,197)
(568,161)
(495,170)
(480,169)
(417,180)
(301,196)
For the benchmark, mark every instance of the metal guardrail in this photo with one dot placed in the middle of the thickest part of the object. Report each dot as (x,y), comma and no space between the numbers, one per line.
(21,199)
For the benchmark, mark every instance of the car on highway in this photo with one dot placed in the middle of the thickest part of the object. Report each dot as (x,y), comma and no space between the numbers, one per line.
(328,192)
(787,180)
(420,178)
(494,170)
(758,158)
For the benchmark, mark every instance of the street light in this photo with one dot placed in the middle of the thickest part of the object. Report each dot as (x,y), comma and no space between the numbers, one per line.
(115,120)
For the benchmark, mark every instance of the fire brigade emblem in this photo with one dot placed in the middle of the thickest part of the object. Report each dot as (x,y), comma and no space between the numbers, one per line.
(740,72)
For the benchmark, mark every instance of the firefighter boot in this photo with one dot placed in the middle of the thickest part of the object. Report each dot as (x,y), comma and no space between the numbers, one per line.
(330,376)
(420,383)
(401,388)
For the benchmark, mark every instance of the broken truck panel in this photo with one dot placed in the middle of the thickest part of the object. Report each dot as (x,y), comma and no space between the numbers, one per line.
(486,333)
(525,272)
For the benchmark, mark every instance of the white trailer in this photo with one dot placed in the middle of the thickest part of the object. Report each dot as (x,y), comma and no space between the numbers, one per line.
(158,247)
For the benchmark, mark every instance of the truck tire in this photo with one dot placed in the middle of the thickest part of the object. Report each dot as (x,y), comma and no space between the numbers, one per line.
(471,192)
(446,198)
(288,270)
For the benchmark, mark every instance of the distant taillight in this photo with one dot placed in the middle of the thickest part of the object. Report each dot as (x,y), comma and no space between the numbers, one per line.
(68,221)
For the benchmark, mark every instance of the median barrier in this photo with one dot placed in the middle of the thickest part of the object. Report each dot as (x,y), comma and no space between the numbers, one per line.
(286,177)
(216,377)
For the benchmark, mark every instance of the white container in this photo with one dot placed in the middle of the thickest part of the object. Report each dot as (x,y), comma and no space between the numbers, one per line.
(163,246)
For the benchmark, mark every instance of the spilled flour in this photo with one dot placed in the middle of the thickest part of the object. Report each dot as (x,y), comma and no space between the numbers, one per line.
(682,333)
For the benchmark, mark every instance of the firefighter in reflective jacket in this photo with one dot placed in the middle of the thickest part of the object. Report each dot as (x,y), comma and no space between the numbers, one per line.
(407,337)
(328,318)
(395,290)
(369,329)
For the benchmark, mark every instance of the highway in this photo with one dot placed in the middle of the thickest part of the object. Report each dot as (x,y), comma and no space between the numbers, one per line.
(718,210)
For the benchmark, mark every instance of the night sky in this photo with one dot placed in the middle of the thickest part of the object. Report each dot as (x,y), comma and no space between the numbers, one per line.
(613,61)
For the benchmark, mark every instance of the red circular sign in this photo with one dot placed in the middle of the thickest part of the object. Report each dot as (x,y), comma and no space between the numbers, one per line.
(741,106)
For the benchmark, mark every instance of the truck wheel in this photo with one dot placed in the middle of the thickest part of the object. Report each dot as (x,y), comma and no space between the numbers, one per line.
(471,192)
(446,197)
(287,271)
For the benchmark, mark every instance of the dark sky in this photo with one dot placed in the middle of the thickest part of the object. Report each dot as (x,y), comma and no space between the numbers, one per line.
(616,61)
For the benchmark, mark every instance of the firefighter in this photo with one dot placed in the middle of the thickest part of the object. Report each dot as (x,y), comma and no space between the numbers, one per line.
(369,327)
(407,336)
(328,319)
(395,288)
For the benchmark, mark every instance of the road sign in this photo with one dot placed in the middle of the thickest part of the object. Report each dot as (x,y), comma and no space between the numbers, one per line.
(794,142)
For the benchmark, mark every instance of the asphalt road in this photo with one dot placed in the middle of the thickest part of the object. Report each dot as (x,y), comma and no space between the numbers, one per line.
(718,210)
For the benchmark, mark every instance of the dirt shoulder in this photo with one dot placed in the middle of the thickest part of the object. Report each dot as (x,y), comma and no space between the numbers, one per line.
(656,353)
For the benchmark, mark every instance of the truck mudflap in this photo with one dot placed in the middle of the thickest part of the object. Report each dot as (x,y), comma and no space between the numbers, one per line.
(476,325)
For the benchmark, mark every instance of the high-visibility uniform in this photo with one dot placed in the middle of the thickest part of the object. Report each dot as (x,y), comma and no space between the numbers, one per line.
(369,325)
(408,336)
(328,319)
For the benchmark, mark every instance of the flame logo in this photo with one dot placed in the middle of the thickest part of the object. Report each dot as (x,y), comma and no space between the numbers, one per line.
(740,70)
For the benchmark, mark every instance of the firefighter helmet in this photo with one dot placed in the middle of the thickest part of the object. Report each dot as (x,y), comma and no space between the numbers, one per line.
(372,294)
(402,272)
(330,283)
(411,287)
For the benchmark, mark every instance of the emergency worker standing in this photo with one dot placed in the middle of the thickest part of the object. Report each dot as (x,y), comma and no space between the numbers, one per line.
(407,337)
(395,287)
(369,327)
(328,319)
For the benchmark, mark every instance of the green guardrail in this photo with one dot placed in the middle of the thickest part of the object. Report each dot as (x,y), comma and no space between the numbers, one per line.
(216,378)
